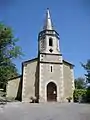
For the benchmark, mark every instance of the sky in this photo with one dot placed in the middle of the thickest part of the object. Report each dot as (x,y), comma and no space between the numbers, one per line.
(71,19)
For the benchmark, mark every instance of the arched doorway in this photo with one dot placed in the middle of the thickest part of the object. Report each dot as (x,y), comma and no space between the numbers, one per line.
(51,92)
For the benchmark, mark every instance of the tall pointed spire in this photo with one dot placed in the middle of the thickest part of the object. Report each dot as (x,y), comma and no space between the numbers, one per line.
(48,22)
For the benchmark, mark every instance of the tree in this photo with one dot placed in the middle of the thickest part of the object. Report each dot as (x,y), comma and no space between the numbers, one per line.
(8,51)
(87,75)
(80,83)
(87,68)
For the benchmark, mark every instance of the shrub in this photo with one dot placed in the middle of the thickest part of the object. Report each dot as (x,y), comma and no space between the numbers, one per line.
(88,95)
(79,93)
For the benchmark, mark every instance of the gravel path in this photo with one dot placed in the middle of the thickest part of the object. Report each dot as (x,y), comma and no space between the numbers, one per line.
(46,111)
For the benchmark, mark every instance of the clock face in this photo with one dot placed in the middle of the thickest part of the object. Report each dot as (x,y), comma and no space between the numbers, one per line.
(51,50)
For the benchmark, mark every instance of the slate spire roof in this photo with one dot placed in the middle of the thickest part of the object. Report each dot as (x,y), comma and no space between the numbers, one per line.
(48,25)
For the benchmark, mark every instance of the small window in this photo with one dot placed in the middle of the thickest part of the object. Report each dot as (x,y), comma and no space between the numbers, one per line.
(50,42)
(51,50)
(51,68)
(41,55)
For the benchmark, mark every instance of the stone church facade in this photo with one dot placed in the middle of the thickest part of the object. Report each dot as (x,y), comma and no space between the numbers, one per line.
(47,77)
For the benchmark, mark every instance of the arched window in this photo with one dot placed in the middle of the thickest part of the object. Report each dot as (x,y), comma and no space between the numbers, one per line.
(50,42)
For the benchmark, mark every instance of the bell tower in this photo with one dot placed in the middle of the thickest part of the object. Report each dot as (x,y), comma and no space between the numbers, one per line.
(48,38)
(50,63)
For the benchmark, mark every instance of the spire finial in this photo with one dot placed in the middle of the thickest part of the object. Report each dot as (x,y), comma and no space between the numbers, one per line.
(48,22)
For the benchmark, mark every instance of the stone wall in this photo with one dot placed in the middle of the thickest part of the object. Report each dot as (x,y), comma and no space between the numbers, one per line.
(13,88)
(68,81)
(46,76)
(29,80)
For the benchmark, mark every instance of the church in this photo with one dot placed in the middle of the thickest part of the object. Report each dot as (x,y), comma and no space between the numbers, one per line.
(48,77)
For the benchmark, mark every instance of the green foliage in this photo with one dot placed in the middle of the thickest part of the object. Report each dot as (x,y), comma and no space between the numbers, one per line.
(87,68)
(8,48)
(80,83)
(88,94)
(8,51)
(79,93)
(6,72)
(87,75)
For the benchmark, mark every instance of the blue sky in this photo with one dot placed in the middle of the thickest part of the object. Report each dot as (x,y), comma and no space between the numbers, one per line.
(71,19)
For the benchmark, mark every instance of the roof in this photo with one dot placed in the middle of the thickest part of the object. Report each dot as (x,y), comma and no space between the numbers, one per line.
(34,59)
(15,77)
(31,60)
(48,25)
(69,63)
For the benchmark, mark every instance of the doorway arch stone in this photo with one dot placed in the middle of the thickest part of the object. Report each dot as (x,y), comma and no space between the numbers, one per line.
(51,91)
